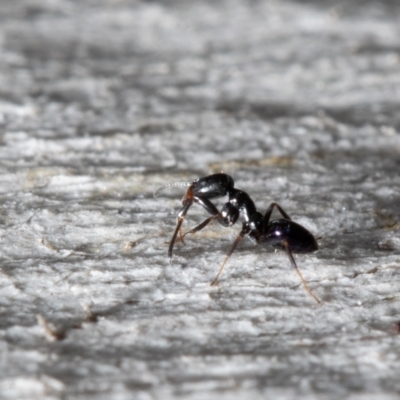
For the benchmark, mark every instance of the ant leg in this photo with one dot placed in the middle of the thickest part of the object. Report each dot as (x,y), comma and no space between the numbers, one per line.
(200,226)
(226,217)
(207,206)
(187,202)
(268,213)
(235,243)
(294,265)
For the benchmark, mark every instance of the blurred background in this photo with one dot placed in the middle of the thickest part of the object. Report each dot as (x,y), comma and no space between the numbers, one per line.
(102,102)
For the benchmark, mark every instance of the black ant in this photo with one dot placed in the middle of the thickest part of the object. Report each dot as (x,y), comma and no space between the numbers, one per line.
(283,233)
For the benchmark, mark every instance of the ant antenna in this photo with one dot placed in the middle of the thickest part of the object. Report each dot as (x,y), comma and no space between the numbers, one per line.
(168,185)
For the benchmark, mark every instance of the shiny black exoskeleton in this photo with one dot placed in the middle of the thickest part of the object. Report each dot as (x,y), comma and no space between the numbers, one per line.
(283,233)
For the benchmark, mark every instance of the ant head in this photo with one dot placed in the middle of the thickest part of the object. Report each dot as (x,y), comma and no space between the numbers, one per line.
(230,214)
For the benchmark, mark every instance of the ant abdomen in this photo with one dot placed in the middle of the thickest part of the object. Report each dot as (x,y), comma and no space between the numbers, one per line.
(299,239)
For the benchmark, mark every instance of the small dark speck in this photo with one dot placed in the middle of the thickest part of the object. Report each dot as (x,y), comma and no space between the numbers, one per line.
(396,327)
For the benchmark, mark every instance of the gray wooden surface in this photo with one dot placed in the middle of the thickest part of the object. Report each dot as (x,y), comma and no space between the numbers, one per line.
(101,103)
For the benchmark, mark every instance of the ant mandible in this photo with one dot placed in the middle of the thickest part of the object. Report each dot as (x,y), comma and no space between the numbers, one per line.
(283,233)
